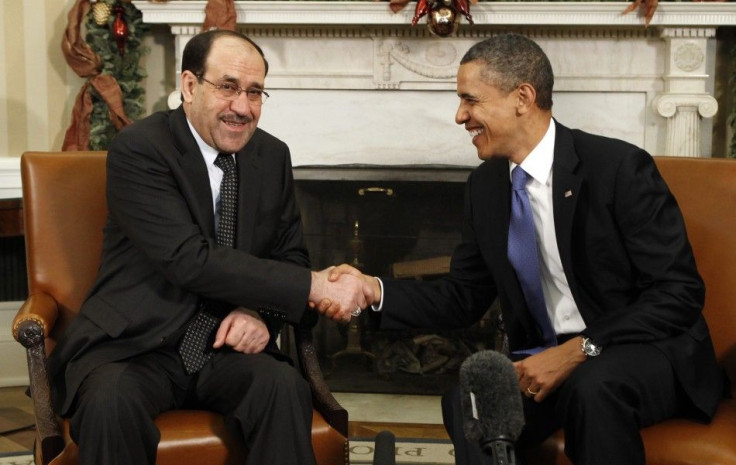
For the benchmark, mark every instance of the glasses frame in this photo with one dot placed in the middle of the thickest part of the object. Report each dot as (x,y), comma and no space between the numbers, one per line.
(238,90)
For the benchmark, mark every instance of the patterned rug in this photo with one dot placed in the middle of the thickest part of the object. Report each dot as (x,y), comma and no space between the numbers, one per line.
(408,451)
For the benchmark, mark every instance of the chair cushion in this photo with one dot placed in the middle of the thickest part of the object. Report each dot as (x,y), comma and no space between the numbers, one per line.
(673,442)
(682,442)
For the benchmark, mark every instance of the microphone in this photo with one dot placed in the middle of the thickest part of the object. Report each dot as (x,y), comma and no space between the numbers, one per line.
(384,452)
(491,404)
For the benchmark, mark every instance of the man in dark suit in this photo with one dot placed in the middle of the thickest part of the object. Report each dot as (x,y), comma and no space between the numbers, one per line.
(620,342)
(203,262)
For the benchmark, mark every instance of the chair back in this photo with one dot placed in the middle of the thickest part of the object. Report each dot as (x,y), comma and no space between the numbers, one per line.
(65,211)
(705,189)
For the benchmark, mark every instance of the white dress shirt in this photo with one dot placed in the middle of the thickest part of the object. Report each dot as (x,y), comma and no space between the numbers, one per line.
(561,307)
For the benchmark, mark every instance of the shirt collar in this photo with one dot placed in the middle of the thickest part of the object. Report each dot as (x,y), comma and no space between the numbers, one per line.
(538,164)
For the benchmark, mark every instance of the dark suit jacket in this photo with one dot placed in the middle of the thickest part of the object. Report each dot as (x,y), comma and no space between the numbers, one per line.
(159,254)
(623,247)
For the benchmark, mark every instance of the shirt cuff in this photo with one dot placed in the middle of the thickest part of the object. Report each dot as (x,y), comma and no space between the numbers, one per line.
(379,307)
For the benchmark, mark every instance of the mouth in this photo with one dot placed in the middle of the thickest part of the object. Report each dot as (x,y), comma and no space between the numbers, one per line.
(235,122)
(475,132)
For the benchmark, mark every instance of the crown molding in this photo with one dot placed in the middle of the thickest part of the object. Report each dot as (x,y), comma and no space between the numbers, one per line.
(691,14)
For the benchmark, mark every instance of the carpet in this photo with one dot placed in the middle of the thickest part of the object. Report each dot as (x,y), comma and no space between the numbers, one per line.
(24,459)
(408,451)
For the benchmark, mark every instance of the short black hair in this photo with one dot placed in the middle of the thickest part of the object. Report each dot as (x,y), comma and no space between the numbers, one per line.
(198,49)
(513,59)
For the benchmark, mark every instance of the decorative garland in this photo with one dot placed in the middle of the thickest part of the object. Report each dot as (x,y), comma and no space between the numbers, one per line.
(114,31)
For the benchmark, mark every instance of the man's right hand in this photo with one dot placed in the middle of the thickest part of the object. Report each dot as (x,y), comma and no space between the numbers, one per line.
(337,298)
(371,288)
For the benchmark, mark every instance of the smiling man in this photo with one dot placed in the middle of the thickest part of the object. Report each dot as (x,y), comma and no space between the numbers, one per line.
(203,262)
(584,245)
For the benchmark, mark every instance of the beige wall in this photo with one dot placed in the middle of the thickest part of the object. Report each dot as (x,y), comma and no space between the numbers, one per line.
(37,87)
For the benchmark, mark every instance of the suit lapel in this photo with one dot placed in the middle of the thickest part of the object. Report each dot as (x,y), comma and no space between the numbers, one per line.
(249,191)
(566,190)
(195,173)
(499,203)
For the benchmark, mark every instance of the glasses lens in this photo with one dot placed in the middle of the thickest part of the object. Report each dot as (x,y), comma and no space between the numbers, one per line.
(255,95)
(227,90)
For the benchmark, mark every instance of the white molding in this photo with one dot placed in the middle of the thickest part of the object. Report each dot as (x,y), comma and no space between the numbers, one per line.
(10,184)
(492,13)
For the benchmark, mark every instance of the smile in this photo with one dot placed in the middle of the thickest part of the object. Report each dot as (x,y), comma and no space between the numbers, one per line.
(475,132)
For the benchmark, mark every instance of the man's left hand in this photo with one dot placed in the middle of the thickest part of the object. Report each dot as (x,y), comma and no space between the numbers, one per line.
(243,330)
(541,374)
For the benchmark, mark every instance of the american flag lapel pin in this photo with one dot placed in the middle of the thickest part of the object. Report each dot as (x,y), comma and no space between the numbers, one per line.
(568,193)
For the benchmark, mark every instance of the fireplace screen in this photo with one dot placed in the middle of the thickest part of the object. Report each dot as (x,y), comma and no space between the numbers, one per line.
(405,229)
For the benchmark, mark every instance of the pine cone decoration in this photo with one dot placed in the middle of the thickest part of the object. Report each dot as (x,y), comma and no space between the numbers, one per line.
(101,12)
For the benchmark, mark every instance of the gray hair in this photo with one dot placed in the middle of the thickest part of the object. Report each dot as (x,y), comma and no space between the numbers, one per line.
(511,60)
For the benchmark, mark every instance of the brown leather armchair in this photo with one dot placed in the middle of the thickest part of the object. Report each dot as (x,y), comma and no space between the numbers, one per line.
(705,189)
(65,212)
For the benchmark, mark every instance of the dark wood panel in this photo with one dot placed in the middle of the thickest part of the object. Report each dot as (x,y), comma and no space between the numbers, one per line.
(11,217)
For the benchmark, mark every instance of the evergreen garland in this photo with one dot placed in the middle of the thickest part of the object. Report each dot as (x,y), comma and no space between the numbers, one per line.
(126,69)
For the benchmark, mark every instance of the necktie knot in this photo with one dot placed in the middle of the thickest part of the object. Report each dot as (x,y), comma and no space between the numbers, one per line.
(225,162)
(519,178)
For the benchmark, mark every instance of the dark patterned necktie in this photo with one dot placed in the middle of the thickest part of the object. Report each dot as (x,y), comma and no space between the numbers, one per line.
(523,255)
(196,345)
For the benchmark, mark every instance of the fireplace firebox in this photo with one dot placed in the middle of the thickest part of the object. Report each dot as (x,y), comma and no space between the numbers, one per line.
(406,228)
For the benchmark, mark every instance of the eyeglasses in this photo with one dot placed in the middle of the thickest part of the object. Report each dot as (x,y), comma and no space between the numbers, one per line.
(229,91)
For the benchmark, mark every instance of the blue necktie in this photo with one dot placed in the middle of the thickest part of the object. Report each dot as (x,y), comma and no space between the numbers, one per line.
(523,255)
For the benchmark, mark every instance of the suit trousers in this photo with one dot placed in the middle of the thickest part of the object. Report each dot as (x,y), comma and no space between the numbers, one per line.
(263,400)
(601,407)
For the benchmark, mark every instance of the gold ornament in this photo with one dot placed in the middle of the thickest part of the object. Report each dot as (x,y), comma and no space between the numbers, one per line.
(101,12)
(443,21)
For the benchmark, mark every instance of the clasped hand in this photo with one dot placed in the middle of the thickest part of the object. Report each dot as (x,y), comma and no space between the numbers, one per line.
(243,330)
(338,292)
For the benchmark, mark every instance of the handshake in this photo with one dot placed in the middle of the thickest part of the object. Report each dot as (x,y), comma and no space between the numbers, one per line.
(341,292)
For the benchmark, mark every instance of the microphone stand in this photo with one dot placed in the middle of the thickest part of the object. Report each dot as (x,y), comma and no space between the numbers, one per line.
(501,449)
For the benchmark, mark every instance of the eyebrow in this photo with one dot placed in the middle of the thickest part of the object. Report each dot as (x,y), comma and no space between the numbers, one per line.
(236,81)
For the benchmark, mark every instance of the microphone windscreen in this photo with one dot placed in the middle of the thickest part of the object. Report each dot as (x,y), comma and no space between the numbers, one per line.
(384,452)
(490,397)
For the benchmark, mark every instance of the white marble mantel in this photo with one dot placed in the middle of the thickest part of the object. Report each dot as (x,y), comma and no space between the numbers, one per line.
(353,82)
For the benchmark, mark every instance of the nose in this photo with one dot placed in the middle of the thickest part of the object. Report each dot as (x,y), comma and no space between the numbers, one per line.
(241,104)
(461,116)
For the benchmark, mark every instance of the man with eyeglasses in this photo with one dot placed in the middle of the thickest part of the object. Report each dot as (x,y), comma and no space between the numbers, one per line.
(203,262)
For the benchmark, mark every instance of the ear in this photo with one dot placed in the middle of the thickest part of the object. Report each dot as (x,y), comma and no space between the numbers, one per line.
(189,83)
(527,97)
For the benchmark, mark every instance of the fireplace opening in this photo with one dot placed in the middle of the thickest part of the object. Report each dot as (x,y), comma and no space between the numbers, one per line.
(401,228)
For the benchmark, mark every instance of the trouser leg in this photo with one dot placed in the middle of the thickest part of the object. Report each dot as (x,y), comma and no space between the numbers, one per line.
(112,421)
(266,401)
(609,398)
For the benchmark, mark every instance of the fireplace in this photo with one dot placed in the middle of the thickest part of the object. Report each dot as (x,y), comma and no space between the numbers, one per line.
(388,222)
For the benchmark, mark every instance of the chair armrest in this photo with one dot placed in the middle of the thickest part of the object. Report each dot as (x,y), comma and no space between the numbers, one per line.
(322,397)
(34,320)
(31,326)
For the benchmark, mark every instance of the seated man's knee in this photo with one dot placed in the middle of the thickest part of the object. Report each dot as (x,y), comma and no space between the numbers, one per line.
(591,386)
